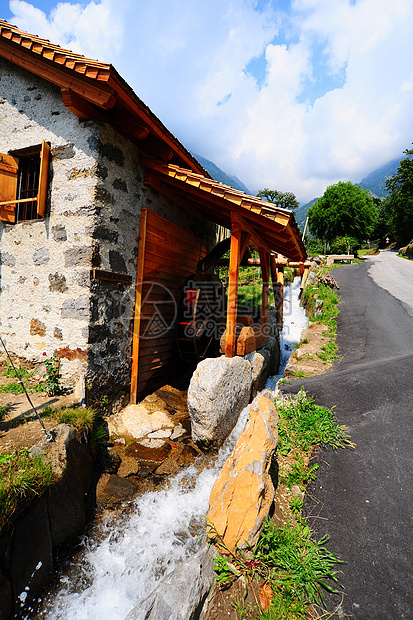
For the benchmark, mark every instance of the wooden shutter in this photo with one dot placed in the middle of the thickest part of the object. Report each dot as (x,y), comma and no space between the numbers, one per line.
(43,179)
(9,167)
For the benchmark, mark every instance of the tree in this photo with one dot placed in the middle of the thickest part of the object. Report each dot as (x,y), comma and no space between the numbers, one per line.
(343,210)
(398,206)
(284,200)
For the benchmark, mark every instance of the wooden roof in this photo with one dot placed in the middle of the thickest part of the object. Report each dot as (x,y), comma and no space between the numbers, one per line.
(92,89)
(275,226)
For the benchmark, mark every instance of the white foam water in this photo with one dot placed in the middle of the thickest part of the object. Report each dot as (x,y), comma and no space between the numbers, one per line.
(125,559)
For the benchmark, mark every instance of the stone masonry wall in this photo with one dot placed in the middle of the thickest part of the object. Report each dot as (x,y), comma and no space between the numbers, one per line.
(48,301)
(45,264)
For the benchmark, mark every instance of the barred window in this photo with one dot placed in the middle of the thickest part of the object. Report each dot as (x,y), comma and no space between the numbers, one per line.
(23,184)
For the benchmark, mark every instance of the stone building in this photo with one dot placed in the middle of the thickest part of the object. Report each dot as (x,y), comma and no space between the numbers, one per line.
(82,159)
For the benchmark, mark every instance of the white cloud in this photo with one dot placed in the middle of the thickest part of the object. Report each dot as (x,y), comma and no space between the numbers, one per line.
(188,60)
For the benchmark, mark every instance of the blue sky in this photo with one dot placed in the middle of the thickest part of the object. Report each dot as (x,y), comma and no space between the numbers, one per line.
(289,94)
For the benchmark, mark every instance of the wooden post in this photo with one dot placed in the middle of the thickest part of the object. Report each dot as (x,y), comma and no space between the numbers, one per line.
(264,260)
(280,296)
(138,307)
(234,261)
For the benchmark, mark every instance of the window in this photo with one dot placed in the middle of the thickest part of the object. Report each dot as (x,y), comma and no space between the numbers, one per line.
(23,184)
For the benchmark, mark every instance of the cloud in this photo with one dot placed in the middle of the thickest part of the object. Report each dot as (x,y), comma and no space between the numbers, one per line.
(293,98)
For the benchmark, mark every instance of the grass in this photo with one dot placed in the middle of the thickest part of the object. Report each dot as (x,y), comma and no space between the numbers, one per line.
(328,352)
(291,566)
(87,421)
(22,477)
(303,424)
(15,387)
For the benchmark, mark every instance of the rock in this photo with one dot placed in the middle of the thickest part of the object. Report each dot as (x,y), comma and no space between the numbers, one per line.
(137,421)
(312,278)
(73,468)
(178,432)
(259,361)
(128,467)
(31,553)
(219,390)
(241,497)
(6,598)
(162,434)
(182,457)
(181,595)
(117,491)
(318,307)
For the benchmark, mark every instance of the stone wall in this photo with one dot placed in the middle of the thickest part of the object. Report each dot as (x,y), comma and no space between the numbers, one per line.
(48,300)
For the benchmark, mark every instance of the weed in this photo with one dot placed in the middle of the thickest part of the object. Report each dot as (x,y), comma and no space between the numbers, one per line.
(82,419)
(298,567)
(22,476)
(328,352)
(52,376)
(23,373)
(299,374)
(3,411)
(299,474)
(304,424)
(296,506)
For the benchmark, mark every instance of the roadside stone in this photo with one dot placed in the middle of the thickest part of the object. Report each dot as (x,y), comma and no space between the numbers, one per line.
(259,361)
(242,495)
(220,388)
(181,595)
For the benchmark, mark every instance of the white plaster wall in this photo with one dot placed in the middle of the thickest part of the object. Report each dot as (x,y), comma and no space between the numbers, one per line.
(45,264)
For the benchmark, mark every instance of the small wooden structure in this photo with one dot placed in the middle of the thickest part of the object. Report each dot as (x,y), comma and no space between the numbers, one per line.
(251,222)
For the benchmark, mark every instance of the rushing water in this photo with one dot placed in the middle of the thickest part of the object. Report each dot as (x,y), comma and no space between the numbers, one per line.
(125,559)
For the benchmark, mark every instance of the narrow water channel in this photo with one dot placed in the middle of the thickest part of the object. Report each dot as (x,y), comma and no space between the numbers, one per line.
(124,559)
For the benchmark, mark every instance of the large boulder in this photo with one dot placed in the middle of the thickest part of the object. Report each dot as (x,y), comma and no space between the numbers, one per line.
(73,467)
(242,495)
(220,388)
(181,595)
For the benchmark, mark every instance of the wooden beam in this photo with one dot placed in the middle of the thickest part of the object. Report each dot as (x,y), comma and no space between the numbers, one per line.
(246,227)
(234,261)
(138,304)
(79,106)
(244,245)
(127,126)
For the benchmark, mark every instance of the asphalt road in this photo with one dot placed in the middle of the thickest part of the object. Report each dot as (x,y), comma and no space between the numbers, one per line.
(363,498)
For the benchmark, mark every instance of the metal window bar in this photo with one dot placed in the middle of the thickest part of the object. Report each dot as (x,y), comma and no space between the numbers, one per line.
(28,187)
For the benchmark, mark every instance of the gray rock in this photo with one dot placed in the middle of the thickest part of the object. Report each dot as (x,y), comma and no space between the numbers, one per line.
(76,308)
(59,233)
(73,467)
(7,259)
(260,361)
(220,388)
(31,552)
(41,257)
(181,595)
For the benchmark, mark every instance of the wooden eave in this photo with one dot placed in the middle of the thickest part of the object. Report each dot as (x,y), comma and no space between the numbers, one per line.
(276,227)
(94,90)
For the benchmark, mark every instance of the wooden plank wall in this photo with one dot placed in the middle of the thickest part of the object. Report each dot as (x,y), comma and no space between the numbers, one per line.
(168,255)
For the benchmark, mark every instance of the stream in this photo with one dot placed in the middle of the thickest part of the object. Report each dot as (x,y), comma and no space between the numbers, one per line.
(125,557)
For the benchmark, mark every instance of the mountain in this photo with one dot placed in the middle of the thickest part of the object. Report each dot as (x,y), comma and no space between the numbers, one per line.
(376,181)
(219,175)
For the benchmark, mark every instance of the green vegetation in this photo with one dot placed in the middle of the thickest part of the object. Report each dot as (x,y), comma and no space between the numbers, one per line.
(395,213)
(87,421)
(52,376)
(3,411)
(299,474)
(292,567)
(303,424)
(284,200)
(22,477)
(344,210)
(330,304)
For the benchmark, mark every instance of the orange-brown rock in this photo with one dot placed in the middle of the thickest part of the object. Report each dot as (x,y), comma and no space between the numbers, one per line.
(242,495)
